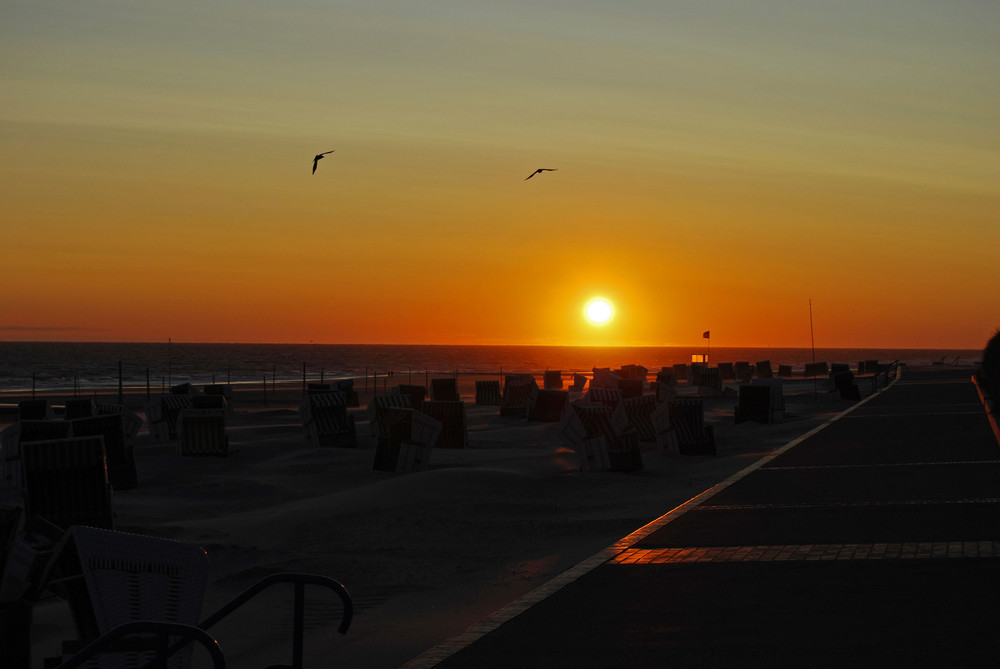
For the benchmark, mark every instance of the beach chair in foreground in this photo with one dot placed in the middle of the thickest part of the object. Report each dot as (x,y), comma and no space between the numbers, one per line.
(444,390)
(488,393)
(630,387)
(687,416)
(610,397)
(119,453)
(843,383)
(79,408)
(579,383)
(203,433)
(36,409)
(66,482)
(552,380)
(709,382)
(378,411)
(417,394)
(518,390)
(548,406)
(407,442)
(451,416)
(754,404)
(601,437)
(137,601)
(326,421)
(15,436)
(639,414)
(665,434)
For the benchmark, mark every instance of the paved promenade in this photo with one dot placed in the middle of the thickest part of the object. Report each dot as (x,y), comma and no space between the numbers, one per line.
(871,541)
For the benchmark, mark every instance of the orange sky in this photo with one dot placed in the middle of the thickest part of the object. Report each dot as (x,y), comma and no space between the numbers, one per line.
(718,167)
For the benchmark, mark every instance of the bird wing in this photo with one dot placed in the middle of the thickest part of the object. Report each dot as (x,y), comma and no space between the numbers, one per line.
(315,161)
(532,174)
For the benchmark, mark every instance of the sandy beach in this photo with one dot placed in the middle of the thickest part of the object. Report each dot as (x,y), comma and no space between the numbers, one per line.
(424,555)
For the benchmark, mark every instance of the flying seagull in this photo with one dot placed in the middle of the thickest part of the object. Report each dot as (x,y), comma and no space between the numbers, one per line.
(319,158)
(538,171)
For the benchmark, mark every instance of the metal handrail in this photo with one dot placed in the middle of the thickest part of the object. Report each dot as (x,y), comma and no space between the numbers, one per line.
(162,630)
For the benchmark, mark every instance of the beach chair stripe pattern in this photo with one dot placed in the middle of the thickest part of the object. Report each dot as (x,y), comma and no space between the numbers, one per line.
(131,420)
(66,482)
(135,577)
(610,397)
(12,438)
(451,416)
(639,412)
(488,393)
(417,394)
(742,371)
(726,371)
(378,411)
(518,390)
(687,416)
(552,380)
(579,383)
(326,421)
(203,432)
(710,381)
(784,370)
(764,370)
(120,458)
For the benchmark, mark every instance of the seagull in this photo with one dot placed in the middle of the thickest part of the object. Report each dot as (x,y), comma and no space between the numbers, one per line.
(319,158)
(539,170)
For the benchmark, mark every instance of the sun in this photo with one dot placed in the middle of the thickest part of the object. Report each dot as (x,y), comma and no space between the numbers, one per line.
(599,311)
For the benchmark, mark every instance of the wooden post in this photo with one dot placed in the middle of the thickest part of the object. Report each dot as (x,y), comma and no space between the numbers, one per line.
(147,384)
(303,381)
(265,389)
(121,394)
(32,385)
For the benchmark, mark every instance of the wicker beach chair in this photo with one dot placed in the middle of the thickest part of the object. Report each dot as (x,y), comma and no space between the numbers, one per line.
(417,394)
(79,408)
(66,482)
(35,409)
(552,380)
(579,383)
(785,371)
(603,377)
(326,421)
(843,382)
(665,434)
(203,433)
(137,600)
(630,387)
(518,390)
(225,391)
(754,404)
(639,413)
(681,372)
(162,414)
(378,411)
(610,397)
(742,371)
(14,436)
(451,416)
(814,369)
(709,382)
(408,439)
(764,370)
(602,437)
(119,453)
(130,419)
(488,393)
(548,406)
(444,390)
(687,417)
(726,372)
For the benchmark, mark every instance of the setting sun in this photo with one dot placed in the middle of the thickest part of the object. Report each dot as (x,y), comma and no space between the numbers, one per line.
(599,311)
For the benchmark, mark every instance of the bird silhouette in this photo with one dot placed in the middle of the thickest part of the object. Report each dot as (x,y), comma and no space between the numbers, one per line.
(319,157)
(540,170)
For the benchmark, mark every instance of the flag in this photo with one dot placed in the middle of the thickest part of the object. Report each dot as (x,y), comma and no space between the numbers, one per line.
(706,334)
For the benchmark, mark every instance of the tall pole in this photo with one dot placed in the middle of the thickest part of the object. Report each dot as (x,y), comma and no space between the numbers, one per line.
(812,341)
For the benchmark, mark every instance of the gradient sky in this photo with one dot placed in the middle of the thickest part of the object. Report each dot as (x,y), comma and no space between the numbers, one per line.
(720,165)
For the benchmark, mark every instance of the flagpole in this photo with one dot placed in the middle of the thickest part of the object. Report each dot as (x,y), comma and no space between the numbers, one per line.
(812,341)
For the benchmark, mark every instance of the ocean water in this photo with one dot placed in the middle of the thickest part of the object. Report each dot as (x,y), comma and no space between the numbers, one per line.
(64,366)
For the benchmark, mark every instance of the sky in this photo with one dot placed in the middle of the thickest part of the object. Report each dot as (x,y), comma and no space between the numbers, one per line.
(721,165)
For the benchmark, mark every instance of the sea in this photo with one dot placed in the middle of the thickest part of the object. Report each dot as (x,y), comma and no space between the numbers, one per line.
(81,366)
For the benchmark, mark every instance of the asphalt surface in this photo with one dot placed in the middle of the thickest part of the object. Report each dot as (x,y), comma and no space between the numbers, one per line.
(873,542)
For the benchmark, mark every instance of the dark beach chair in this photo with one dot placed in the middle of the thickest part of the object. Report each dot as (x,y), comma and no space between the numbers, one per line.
(785,371)
(326,421)
(378,411)
(709,382)
(552,380)
(630,387)
(754,404)
(488,393)
(137,601)
(687,417)
(444,390)
(843,383)
(223,390)
(209,402)
(36,409)
(742,371)
(162,414)
(639,413)
(518,390)
(611,397)
(579,383)
(15,436)
(203,433)
(66,482)
(814,369)
(417,394)
(131,420)
(681,372)
(602,435)
(119,452)
(406,442)
(346,386)
(79,408)
(603,377)
(764,370)
(548,406)
(726,372)
(451,415)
